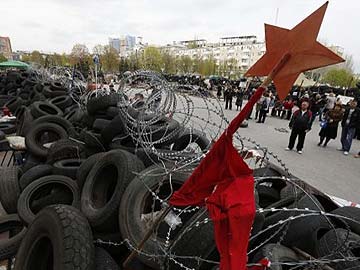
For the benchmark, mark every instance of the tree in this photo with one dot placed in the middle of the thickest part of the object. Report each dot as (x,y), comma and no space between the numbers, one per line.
(98,49)
(80,58)
(152,59)
(339,78)
(169,62)
(109,59)
(36,57)
(124,65)
(185,64)
(79,53)
(2,58)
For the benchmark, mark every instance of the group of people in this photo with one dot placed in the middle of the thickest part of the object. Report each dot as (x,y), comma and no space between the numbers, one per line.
(302,119)
(229,93)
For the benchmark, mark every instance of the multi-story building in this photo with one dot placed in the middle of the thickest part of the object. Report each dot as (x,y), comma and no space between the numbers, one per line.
(243,51)
(5,47)
(115,43)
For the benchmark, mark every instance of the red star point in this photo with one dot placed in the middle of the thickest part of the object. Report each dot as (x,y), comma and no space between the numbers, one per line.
(305,52)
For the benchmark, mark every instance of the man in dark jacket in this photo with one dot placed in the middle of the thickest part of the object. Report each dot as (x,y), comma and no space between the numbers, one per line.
(350,123)
(300,124)
(228,94)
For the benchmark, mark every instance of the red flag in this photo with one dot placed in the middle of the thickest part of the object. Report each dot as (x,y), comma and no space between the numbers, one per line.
(226,184)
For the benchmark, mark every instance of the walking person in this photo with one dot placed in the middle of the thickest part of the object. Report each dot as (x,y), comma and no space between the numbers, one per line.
(249,94)
(258,106)
(316,105)
(300,124)
(329,130)
(350,123)
(264,109)
(357,155)
(218,93)
(239,99)
(330,102)
(228,95)
(288,105)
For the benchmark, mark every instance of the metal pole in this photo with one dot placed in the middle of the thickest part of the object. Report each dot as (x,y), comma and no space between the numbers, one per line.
(146,237)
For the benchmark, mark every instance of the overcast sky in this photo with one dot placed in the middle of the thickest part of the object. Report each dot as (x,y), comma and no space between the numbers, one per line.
(56,25)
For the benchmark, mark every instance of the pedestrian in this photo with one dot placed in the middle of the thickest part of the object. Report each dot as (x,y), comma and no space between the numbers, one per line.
(258,106)
(228,95)
(316,104)
(239,99)
(264,109)
(288,105)
(250,93)
(278,107)
(330,126)
(357,156)
(330,102)
(219,90)
(300,124)
(350,123)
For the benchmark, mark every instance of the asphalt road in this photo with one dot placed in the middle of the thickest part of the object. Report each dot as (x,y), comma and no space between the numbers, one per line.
(325,168)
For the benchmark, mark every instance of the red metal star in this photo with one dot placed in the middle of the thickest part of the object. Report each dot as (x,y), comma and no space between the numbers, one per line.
(305,52)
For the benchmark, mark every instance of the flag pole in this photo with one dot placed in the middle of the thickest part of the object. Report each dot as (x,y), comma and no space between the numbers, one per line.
(147,236)
(252,100)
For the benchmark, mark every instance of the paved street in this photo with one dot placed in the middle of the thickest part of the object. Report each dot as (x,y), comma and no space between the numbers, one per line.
(325,168)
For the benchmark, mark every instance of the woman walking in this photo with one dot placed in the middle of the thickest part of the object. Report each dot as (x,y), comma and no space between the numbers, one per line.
(239,99)
(264,109)
(329,131)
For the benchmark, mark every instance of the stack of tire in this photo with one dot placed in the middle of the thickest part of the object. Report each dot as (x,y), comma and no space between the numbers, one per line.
(83,186)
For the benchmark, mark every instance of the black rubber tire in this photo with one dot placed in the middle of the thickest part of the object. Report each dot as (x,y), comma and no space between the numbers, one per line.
(337,244)
(191,136)
(100,124)
(266,171)
(102,102)
(42,108)
(9,188)
(16,229)
(58,120)
(52,93)
(348,212)
(13,104)
(93,143)
(24,123)
(113,112)
(308,226)
(86,167)
(62,102)
(276,254)
(42,187)
(57,86)
(31,161)
(33,174)
(67,167)
(61,237)
(7,128)
(104,187)
(165,132)
(104,261)
(136,201)
(31,140)
(64,149)
(198,242)
(291,190)
(116,127)
(267,195)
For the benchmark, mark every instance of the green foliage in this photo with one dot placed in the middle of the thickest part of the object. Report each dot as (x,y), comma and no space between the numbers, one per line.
(2,58)
(339,77)
(109,59)
(152,59)
(36,57)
